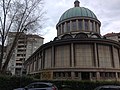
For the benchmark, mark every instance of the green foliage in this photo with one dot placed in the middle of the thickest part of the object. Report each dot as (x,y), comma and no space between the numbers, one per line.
(12,82)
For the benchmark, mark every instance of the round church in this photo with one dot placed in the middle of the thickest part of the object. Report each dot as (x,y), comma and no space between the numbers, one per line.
(79,52)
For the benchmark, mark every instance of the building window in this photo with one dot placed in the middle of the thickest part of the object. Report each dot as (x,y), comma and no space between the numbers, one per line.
(68,26)
(96,27)
(74,25)
(77,74)
(62,31)
(59,30)
(93,74)
(80,24)
(91,26)
(118,74)
(86,25)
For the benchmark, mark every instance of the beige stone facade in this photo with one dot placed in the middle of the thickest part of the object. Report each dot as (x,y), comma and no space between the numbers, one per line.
(78,52)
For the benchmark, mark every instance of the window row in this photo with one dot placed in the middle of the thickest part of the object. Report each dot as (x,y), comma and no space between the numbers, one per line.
(78,25)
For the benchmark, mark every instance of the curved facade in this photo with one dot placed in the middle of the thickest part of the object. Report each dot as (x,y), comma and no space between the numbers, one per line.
(78,52)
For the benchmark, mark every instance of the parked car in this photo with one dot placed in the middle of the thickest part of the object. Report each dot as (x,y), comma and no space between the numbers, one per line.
(39,86)
(108,87)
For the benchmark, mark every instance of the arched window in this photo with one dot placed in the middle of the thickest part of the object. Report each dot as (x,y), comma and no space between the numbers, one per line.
(66,36)
(81,35)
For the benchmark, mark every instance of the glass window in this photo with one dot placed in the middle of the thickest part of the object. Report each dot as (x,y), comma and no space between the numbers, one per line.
(62,28)
(93,74)
(80,24)
(59,28)
(91,26)
(86,24)
(96,27)
(74,25)
(68,26)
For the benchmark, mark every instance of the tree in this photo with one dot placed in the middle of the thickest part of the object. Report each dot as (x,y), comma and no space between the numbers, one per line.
(18,16)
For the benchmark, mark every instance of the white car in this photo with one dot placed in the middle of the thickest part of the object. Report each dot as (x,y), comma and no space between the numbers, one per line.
(108,87)
(39,86)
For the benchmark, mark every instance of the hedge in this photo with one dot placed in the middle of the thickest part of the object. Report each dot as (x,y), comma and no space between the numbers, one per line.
(12,82)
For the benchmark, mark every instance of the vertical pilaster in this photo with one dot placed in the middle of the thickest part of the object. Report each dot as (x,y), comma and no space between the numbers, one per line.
(112,57)
(116,74)
(95,55)
(119,56)
(98,75)
(79,75)
(70,25)
(53,57)
(83,24)
(89,26)
(94,27)
(72,75)
(72,55)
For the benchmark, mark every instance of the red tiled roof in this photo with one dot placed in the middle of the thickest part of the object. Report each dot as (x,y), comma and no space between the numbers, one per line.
(111,34)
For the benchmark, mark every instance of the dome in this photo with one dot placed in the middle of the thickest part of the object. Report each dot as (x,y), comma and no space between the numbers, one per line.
(77,12)
(76,20)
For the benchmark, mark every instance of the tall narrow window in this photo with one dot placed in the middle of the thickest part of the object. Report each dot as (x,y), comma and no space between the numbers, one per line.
(80,24)
(96,27)
(91,26)
(62,28)
(59,30)
(68,26)
(74,26)
(86,25)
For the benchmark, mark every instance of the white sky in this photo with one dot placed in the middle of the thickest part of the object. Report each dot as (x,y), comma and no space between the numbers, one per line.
(107,11)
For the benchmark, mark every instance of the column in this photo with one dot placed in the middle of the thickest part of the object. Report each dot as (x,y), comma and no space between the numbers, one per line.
(83,25)
(94,27)
(53,57)
(65,29)
(116,74)
(72,55)
(112,56)
(119,56)
(98,75)
(70,26)
(77,25)
(95,55)
(72,75)
(79,75)
(89,26)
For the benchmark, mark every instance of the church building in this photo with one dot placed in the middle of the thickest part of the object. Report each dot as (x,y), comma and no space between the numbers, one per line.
(78,52)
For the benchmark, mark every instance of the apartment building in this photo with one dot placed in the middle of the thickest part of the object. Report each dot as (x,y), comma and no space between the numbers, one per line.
(113,36)
(27,44)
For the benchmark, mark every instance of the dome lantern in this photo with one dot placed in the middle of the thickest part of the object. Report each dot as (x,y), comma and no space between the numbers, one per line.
(76,3)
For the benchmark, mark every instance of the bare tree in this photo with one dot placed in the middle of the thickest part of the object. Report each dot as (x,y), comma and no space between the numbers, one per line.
(18,16)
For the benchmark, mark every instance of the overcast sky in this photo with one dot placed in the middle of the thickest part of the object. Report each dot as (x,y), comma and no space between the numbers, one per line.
(107,11)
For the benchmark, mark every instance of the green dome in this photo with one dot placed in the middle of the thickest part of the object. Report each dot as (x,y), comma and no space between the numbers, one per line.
(77,12)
